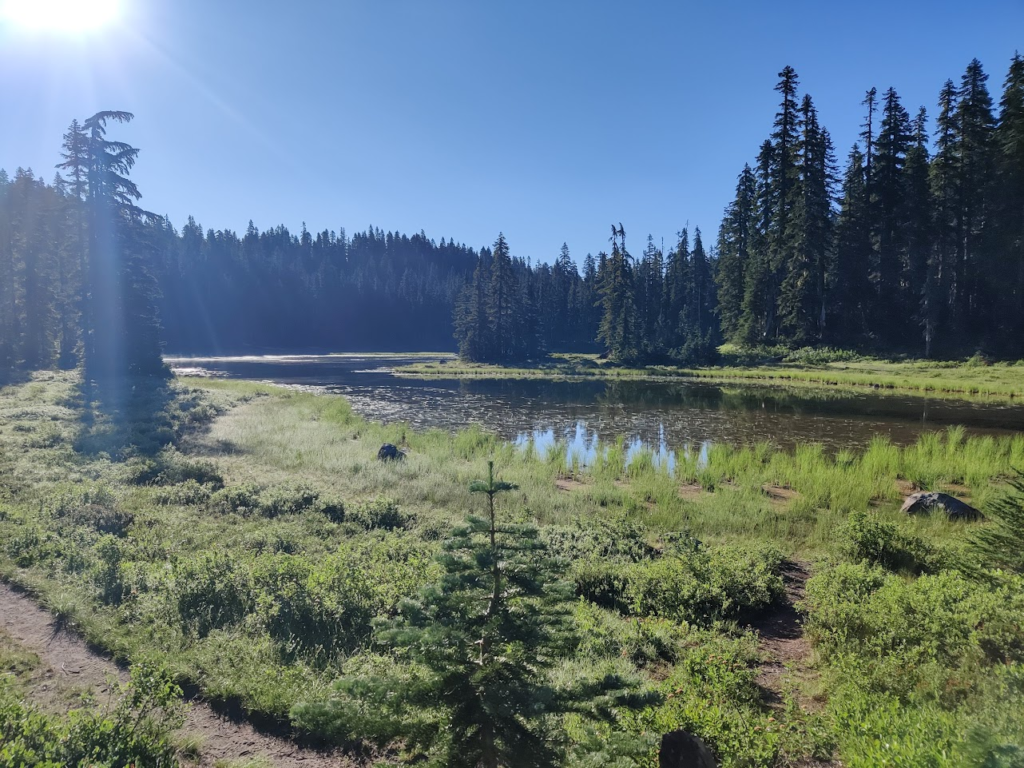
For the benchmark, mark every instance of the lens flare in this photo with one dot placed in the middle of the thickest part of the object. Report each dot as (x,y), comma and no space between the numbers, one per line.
(60,16)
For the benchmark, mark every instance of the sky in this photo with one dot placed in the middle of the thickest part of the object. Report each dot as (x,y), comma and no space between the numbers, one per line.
(546,120)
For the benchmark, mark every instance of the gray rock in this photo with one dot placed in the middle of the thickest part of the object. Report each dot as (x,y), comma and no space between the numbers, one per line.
(953,507)
(389,452)
(681,749)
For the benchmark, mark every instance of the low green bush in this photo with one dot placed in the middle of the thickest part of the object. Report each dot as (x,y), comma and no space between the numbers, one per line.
(882,543)
(134,732)
(169,467)
(252,500)
(381,513)
(706,585)
(897,636)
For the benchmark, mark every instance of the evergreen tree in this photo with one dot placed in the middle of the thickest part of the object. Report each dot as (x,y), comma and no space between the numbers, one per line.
(619,328)
(472,329)
(734,254)
(485,638)
(785,195)
(502,293)
(757,292)
(889,219)
(975,144)
(1007,273)
(943,290)
(918,225)
(849,305)
(802,299)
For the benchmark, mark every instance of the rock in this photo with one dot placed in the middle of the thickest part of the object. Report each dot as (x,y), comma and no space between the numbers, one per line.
(953,507)
(388,452)
(681,749)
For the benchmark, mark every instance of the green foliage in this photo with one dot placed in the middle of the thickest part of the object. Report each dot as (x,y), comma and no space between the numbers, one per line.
(381,513)
(253,500)
(697,585)
(134,731)
(1000,544)
(477,647)
(705,585)
(712,692)
(905,637)
(881,543)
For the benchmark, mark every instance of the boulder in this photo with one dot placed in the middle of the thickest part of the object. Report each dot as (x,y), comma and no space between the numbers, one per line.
(389,452)
(681,749)
(953,507)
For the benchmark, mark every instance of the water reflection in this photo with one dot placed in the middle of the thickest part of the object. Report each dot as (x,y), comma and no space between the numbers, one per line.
(662,417)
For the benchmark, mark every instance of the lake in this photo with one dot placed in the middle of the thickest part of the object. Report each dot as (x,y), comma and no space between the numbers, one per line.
(663,415)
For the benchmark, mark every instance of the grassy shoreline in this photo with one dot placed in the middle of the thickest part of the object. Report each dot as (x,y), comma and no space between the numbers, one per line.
(251,558)
(999,381)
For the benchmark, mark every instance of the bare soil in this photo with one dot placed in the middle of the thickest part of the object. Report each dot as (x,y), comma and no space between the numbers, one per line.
(70,665)
(786,651)
(778,494)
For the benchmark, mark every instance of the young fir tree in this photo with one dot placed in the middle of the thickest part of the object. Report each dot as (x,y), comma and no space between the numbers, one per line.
(480,645)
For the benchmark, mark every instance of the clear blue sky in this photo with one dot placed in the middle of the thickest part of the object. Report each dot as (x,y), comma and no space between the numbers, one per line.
(547,120)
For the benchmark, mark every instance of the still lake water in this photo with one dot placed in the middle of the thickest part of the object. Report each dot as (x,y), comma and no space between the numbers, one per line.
(663,415)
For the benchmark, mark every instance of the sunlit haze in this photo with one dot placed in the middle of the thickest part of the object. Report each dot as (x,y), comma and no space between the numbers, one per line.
(59,16)
(545,120)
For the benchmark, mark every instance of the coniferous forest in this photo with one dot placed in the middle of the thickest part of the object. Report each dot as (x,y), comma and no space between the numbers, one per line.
(649,562)
(916,246)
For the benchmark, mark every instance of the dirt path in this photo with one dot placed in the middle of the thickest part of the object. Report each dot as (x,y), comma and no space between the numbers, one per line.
(787,652)
(70,664)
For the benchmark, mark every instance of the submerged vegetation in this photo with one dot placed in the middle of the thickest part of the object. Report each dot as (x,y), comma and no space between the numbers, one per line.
(244,538)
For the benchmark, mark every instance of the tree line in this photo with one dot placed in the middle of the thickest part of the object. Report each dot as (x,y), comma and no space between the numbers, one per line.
(918,246)
(76,286)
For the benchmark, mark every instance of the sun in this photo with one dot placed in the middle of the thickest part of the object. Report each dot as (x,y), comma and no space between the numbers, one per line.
(62,16)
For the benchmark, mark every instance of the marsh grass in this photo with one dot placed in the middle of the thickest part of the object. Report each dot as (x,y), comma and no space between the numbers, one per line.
(140,553)
(934,378)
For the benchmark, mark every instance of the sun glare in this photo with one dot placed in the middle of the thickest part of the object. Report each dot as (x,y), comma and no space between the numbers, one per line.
(63,16)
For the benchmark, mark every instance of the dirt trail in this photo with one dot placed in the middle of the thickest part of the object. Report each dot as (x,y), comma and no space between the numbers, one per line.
(72,664)
(787,652)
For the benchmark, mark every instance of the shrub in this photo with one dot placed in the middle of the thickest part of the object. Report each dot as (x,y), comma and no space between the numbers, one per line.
(703,586)
(251,500)
(169,467)
(881,543)
(820,356)
(619,539)
(134,732)
(381,513)
(187,494)
(900,636)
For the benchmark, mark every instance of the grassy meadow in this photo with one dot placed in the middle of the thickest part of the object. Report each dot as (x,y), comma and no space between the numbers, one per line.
(244,538)
(975,378)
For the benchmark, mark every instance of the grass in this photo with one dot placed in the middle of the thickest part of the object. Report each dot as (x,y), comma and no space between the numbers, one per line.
(251,557)
(965,379)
